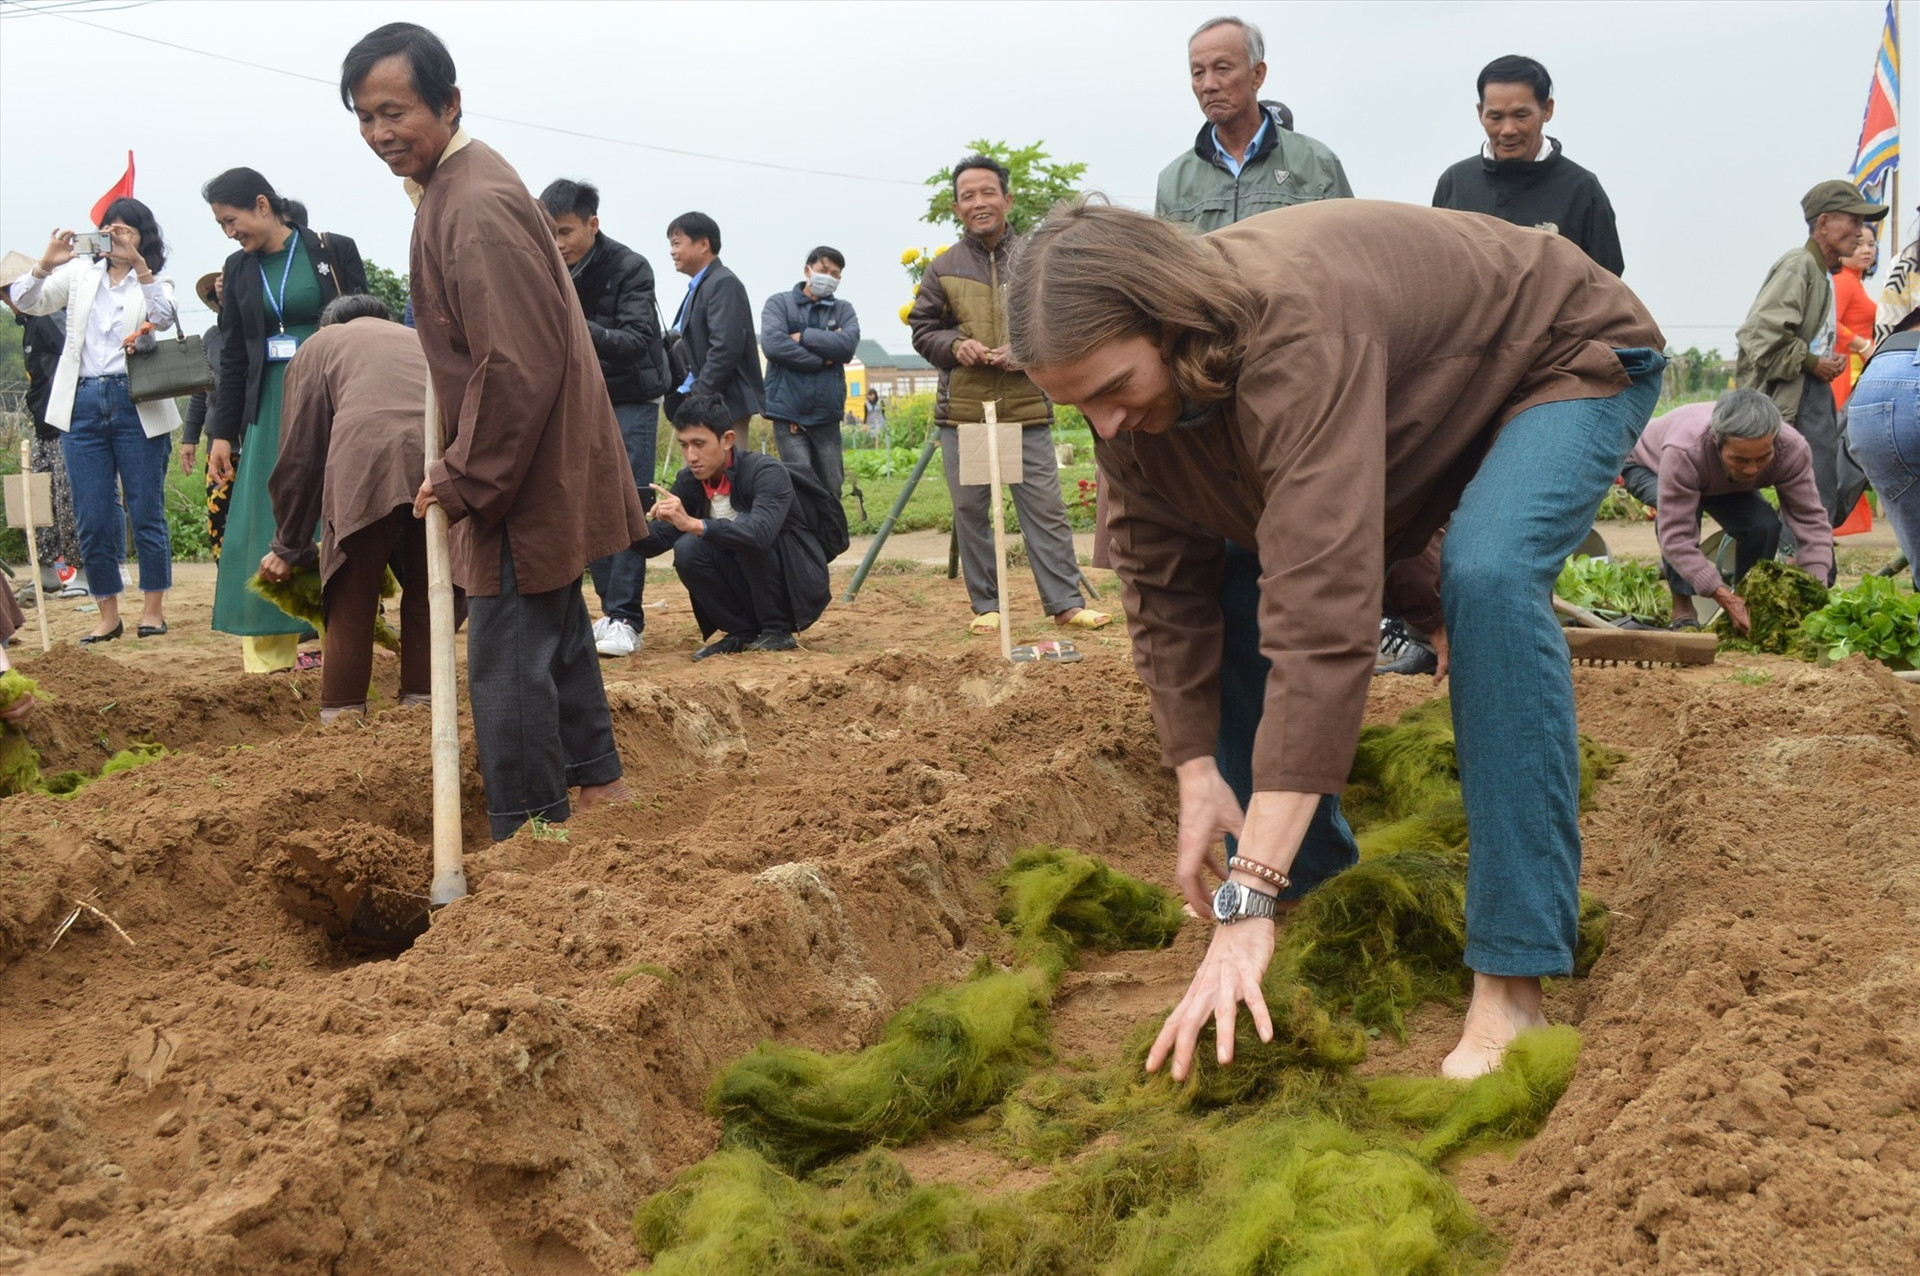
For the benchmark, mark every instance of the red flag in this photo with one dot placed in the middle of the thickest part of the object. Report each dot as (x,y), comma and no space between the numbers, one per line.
(122,189)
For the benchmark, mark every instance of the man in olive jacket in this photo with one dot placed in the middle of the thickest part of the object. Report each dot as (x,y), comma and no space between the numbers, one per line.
(1247,159)
(959,327)
(1786,346)
(534,478)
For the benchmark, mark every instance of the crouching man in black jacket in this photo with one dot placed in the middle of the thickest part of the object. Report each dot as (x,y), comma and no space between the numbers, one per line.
(741,537)
(615,287)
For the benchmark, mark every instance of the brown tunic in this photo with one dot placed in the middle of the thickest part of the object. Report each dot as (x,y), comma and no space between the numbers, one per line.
(352,440)
(1393,344)
(533,451)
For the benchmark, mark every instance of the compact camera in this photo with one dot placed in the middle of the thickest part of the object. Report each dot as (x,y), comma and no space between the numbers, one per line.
(92,243)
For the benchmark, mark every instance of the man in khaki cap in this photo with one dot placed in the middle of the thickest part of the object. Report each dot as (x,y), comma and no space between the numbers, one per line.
(1786,346)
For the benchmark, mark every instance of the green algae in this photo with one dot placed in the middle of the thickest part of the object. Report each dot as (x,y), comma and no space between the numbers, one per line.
(1283,1161)
(1779,598)
(19,762)
(300,596)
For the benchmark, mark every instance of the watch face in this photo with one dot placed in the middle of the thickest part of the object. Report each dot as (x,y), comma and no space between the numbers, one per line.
(1226,902)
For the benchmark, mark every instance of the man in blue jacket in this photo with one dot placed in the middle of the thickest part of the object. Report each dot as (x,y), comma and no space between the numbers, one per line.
(808,335)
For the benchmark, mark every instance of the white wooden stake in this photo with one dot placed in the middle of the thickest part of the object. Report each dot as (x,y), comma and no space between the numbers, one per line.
(33,545)
(449,870)
(999,528)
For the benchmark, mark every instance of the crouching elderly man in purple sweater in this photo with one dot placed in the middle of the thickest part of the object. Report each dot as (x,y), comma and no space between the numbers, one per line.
(1715,458)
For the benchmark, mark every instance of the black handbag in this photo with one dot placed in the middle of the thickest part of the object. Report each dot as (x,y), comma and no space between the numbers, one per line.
(173,369)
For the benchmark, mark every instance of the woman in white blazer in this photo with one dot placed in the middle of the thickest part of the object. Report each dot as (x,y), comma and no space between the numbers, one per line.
(110,443)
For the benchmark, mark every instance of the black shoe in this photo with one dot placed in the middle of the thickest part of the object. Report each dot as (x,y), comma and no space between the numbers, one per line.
(725,645)
(1402,650)
(774,640)
(109,636)
(152,631)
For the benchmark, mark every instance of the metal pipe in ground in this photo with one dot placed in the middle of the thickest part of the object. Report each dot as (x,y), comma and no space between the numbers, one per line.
(893,516)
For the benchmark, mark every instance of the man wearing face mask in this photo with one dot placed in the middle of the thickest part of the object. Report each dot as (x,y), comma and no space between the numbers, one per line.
(808,335)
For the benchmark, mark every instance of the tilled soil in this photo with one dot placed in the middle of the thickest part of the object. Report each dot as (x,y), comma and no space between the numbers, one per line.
(813,841)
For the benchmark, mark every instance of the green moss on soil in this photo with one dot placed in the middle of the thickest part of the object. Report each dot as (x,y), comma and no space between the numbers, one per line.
(300,597)
(1284,1161)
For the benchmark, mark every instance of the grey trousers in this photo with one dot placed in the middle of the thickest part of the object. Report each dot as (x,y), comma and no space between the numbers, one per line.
(1043,525)
(818,447)
(540,717)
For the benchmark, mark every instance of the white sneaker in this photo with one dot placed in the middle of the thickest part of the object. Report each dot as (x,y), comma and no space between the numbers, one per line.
(600,627)
(617,639)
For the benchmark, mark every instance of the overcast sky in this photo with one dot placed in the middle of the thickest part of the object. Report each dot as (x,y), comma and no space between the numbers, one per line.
(815,123)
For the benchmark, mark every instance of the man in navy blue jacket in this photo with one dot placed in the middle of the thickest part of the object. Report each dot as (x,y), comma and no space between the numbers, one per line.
(808,335)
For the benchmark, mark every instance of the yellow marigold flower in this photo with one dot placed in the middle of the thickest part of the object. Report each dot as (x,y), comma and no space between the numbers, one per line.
(910,256)
(942,248)
(905,311)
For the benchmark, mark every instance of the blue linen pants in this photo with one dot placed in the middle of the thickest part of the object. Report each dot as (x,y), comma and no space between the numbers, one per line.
(107,452)
(1883,425)
(1528,508)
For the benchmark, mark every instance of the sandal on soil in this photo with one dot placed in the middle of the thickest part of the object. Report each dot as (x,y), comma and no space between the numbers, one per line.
(307,660)
(152,631)
(1086,618)
(987,622)
(1053,649)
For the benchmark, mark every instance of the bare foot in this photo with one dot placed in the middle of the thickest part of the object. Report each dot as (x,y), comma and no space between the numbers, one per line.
(592,795)
(1503,1007)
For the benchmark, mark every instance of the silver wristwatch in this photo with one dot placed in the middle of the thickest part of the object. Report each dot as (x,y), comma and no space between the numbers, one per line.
(1232,902)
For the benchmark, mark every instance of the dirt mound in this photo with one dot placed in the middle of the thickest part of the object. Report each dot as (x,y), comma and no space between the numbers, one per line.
(812,842)
(1749,1098)
(93,707)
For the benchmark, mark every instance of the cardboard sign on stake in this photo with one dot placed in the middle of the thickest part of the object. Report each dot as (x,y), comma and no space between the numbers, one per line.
(975,469)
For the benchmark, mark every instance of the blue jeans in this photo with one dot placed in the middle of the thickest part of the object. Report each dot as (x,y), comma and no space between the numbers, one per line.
(621,577)
(1529,506)
(1883,425)
(107,451)
(1328,846)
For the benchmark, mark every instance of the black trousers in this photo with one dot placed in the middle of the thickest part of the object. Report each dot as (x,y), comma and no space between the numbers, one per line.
(540,715)
(733,591)
(1745,516)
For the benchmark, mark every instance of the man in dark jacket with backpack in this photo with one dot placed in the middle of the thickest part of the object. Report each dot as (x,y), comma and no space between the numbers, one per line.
(750,535)
(808,335)
(615,287)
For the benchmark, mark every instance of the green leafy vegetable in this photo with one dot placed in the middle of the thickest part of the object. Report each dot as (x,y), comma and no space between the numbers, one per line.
(1601,584)
(1876,618)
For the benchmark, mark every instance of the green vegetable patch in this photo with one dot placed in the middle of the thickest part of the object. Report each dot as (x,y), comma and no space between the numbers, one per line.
(1284,1161)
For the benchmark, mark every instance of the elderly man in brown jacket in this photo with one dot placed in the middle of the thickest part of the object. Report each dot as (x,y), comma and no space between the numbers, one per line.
(535,476)
(1332,383)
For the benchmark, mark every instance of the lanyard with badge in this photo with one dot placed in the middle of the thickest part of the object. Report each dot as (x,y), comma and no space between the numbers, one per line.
(282,344)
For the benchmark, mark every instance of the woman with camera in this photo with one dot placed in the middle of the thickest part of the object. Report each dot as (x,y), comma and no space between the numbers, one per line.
(272,293)
(106,282)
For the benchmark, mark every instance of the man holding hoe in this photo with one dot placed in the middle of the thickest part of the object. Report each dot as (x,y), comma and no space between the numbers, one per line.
(535,478)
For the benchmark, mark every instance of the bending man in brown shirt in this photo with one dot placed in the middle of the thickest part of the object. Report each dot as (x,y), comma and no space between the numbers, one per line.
(350,446)
(535,478)
(1331,383)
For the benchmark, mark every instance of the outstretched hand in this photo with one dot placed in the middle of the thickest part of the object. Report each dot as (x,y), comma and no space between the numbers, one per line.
(1231,972)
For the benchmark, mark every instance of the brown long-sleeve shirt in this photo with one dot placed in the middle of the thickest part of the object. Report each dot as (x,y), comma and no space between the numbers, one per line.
(352,438)
(1393,343)
(533,450)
